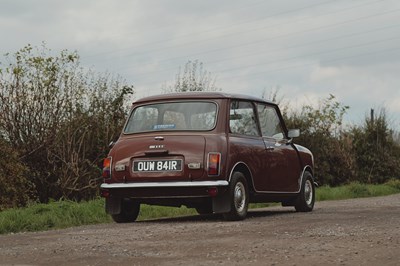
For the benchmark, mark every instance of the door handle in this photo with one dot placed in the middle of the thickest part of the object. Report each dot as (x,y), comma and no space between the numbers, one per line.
(270,148)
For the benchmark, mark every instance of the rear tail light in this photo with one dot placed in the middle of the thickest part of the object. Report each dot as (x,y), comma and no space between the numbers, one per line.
(214,163)
(107,168)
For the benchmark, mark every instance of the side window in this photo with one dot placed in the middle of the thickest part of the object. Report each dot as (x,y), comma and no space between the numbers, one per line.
(242,119)
(269,122)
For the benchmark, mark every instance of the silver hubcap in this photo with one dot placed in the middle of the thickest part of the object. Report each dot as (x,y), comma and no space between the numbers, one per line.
(308,192)
(239,197)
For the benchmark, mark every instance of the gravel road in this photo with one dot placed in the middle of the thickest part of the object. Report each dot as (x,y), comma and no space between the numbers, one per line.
(348,232)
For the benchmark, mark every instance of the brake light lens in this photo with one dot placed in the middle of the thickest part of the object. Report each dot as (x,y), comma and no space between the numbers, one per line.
(214,162)
(107,167)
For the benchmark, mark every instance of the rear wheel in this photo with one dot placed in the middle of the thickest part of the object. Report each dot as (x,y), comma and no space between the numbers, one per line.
(239,198)
(306,199)
(129,211)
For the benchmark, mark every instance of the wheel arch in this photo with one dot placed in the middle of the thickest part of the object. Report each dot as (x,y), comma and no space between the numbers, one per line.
(305,199)
(243,168)
(309,169)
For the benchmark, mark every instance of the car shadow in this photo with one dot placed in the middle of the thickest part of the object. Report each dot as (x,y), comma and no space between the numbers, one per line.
(254,213)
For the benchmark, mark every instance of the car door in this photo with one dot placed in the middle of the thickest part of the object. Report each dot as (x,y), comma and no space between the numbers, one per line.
(281,164)
(245,142)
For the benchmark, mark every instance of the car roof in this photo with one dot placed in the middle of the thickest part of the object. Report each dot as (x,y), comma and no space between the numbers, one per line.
(200,95)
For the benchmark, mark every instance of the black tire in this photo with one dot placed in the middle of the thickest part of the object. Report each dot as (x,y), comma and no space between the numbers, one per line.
(129,211)
(239,197)
(306,199)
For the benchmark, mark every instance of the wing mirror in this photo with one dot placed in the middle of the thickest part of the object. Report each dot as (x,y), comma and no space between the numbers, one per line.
(294,133)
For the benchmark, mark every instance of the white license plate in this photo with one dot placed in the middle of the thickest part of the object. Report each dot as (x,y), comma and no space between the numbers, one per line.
(157,166)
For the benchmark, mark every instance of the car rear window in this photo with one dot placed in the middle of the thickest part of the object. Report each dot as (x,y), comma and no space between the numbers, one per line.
(189,115)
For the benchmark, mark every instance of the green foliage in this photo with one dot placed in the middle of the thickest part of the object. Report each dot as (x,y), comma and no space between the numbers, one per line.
(63,214)
(60,214)
(59,119)
(368,153)
(377,152)
(357,190)
(321,132)
(394,183)
(326,119)
(361,190)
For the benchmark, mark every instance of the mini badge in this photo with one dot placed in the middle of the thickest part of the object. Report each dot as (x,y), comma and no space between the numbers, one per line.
(194,165)
(156,146)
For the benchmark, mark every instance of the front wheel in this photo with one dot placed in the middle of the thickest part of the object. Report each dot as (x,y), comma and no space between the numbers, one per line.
(306,199)
(129,211)
(239,198)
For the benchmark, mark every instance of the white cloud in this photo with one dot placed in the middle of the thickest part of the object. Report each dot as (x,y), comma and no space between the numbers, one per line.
(324,73)
(307,48)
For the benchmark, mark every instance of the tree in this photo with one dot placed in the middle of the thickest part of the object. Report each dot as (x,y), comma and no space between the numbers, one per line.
(377,152)
(59,118)
(193,78)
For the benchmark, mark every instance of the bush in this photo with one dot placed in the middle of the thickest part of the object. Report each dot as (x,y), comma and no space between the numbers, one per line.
(321,132)
(60,119)
(394,183)
(15,188)
(377,153)
(366,154)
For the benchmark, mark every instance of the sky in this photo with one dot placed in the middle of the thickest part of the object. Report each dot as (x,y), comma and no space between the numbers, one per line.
(304,49)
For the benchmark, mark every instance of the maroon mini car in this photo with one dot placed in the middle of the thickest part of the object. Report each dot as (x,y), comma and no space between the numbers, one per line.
(215,152)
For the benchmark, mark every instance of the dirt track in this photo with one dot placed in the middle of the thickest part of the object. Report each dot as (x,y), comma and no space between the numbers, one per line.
(349,232)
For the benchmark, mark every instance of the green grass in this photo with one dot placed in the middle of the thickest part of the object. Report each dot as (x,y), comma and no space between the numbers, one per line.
(63,214)
(357,190)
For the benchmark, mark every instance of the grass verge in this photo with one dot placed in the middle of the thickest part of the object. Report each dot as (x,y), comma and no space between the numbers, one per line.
(54,215)
(357,190)
(63,214)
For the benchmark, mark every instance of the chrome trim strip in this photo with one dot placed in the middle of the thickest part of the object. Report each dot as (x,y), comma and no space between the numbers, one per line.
(170,197)
(218,183)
